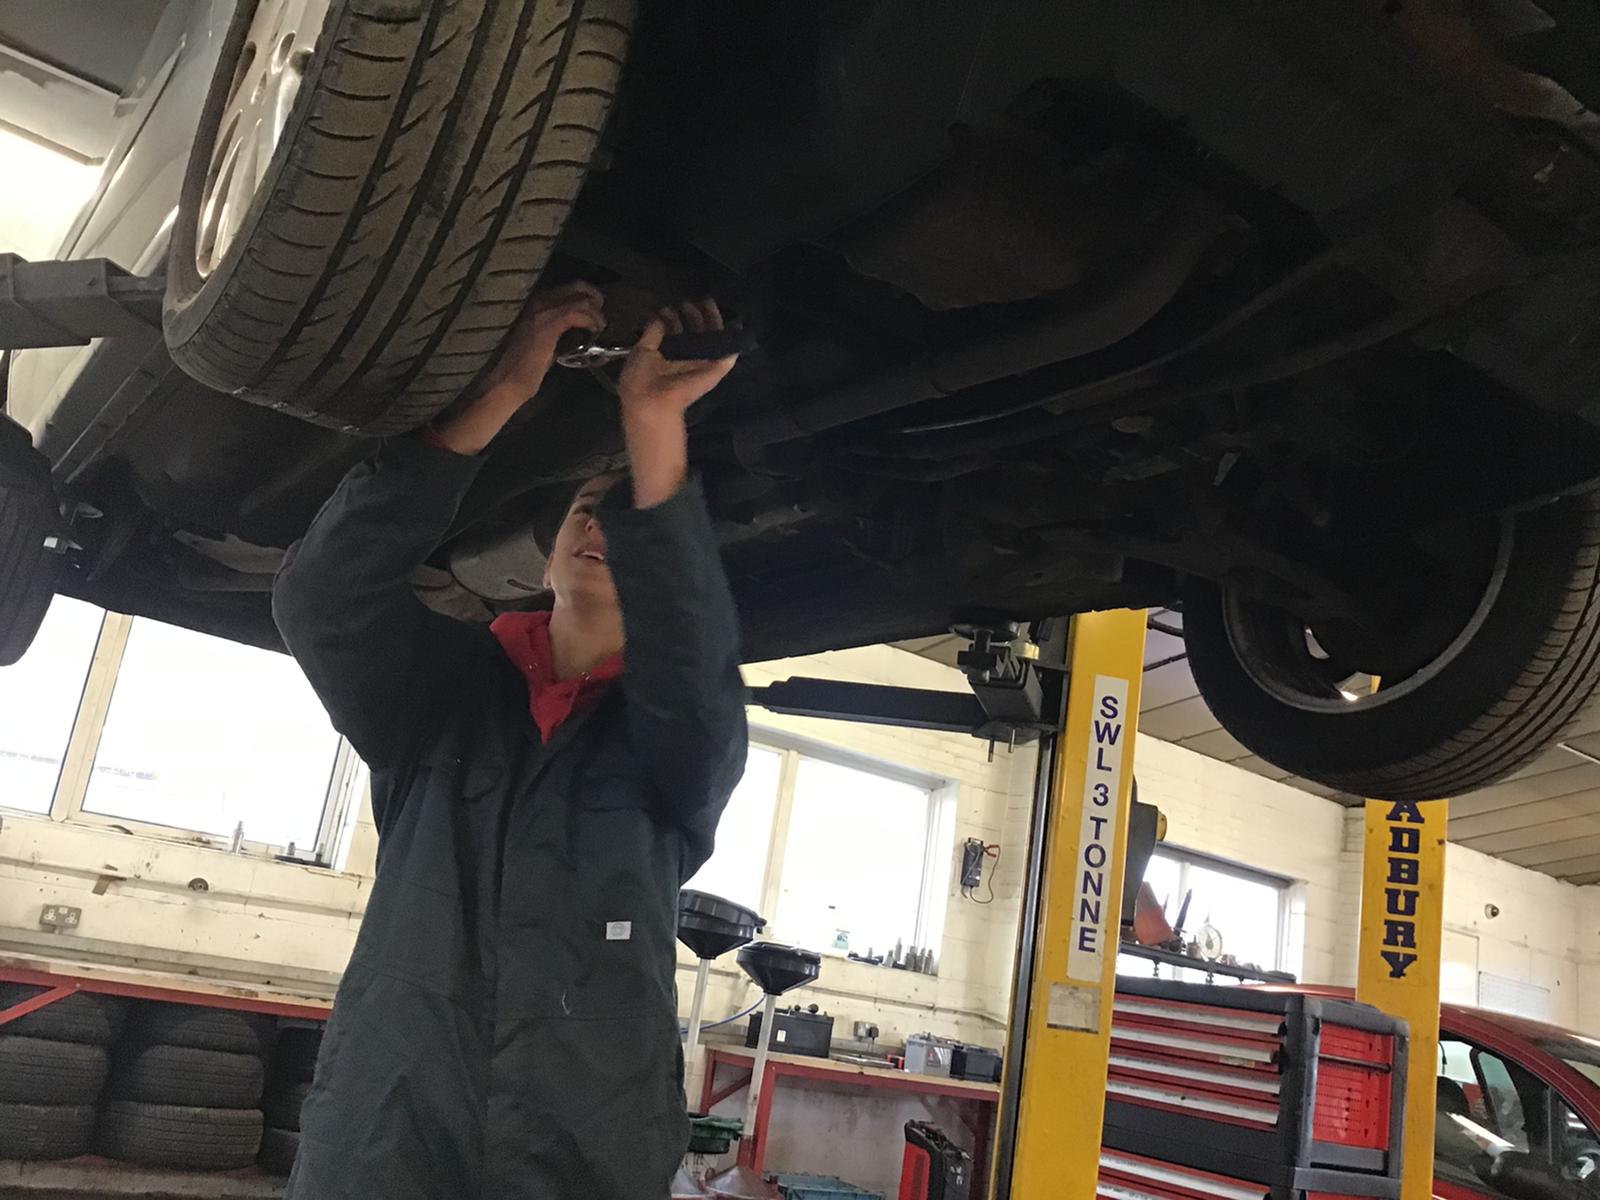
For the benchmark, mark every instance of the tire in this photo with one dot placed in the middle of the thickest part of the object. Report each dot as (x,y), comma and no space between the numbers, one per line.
(1525,674)
(27,517)
(186,1076)
(295,1059)
(85,1017)
(165,1135)
(38,1132)
(203,1028)
(283,1104)
(278,1150)
(36,1071)
(428,164)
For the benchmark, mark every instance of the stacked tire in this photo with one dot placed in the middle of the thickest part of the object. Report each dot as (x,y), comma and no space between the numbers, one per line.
(185,1088)
(53,1067)
(288,1084)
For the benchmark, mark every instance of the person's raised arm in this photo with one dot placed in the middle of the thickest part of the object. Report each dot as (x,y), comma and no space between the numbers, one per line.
(344,600)
(682,684)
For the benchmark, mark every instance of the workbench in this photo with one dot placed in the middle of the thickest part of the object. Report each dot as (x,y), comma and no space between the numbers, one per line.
(62,977)
(978,1111)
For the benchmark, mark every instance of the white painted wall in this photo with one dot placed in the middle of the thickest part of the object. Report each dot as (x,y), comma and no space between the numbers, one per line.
(1537,937)
(163,904)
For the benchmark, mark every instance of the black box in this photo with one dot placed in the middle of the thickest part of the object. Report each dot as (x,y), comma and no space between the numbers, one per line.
(795,1032)
(975,1062)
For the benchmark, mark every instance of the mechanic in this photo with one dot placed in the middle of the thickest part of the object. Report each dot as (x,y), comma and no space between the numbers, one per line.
(507,1026)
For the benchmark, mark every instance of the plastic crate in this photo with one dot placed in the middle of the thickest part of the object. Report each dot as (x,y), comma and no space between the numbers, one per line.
(820,1187)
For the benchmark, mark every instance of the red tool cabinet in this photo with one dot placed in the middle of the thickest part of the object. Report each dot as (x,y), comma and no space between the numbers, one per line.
(1222,1093)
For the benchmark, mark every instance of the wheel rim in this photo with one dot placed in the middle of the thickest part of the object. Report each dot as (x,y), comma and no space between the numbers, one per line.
(271,65)
(1284,657)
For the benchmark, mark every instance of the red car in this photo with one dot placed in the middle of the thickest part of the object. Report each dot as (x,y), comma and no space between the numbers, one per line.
(1519,1107)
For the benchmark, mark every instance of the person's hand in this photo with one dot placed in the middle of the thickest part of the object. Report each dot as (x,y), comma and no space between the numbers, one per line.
(526,358)
(651,386)
(530,347)
(656,394)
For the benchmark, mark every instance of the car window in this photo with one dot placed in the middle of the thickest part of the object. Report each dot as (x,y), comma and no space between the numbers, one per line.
(1578,1148)
(1505,1101)
(1580,1053)
(1499,1131)
(1464,1137)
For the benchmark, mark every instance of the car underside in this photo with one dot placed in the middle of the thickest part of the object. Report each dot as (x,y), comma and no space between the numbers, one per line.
(1059,307)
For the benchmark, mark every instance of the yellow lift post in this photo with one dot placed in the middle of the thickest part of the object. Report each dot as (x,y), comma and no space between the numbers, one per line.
(1053,1092)
(1402,923)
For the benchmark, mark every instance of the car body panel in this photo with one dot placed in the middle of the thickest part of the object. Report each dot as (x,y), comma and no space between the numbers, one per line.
(57,394)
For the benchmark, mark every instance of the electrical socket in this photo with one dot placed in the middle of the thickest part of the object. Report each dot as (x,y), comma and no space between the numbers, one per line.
(59,917)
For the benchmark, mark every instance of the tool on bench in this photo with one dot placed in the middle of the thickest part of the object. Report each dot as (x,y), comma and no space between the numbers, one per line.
(583,348)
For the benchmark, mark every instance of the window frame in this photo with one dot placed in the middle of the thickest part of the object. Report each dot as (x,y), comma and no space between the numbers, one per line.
(83,744)
(933,902)
(1284,886)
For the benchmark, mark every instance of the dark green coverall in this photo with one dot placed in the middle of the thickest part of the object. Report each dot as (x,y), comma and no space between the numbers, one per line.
(507,1026)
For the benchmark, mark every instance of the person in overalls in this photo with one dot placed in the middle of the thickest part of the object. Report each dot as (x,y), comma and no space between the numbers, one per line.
(507,1026)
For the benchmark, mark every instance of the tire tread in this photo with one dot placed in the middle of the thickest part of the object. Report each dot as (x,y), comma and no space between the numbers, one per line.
(493,117)
(181,1136)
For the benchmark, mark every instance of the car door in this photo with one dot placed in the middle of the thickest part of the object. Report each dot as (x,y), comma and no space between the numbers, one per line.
(1502,1133)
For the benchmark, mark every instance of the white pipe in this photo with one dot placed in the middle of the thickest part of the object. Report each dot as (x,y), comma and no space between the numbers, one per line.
(696,1011)
(763,1044)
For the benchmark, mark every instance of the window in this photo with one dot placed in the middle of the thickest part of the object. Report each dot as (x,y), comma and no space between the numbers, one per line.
(737,870)
(855,859)
(1495,1117)
(838,854)
(1245,907)
(205,734)
(39,702)
(34,218)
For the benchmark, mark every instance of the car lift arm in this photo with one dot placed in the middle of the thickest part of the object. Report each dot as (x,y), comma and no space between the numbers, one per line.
(1015,696)
(872,704)
(70,302)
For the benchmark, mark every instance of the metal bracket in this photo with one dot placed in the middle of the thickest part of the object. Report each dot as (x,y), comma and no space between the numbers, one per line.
(71,302)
